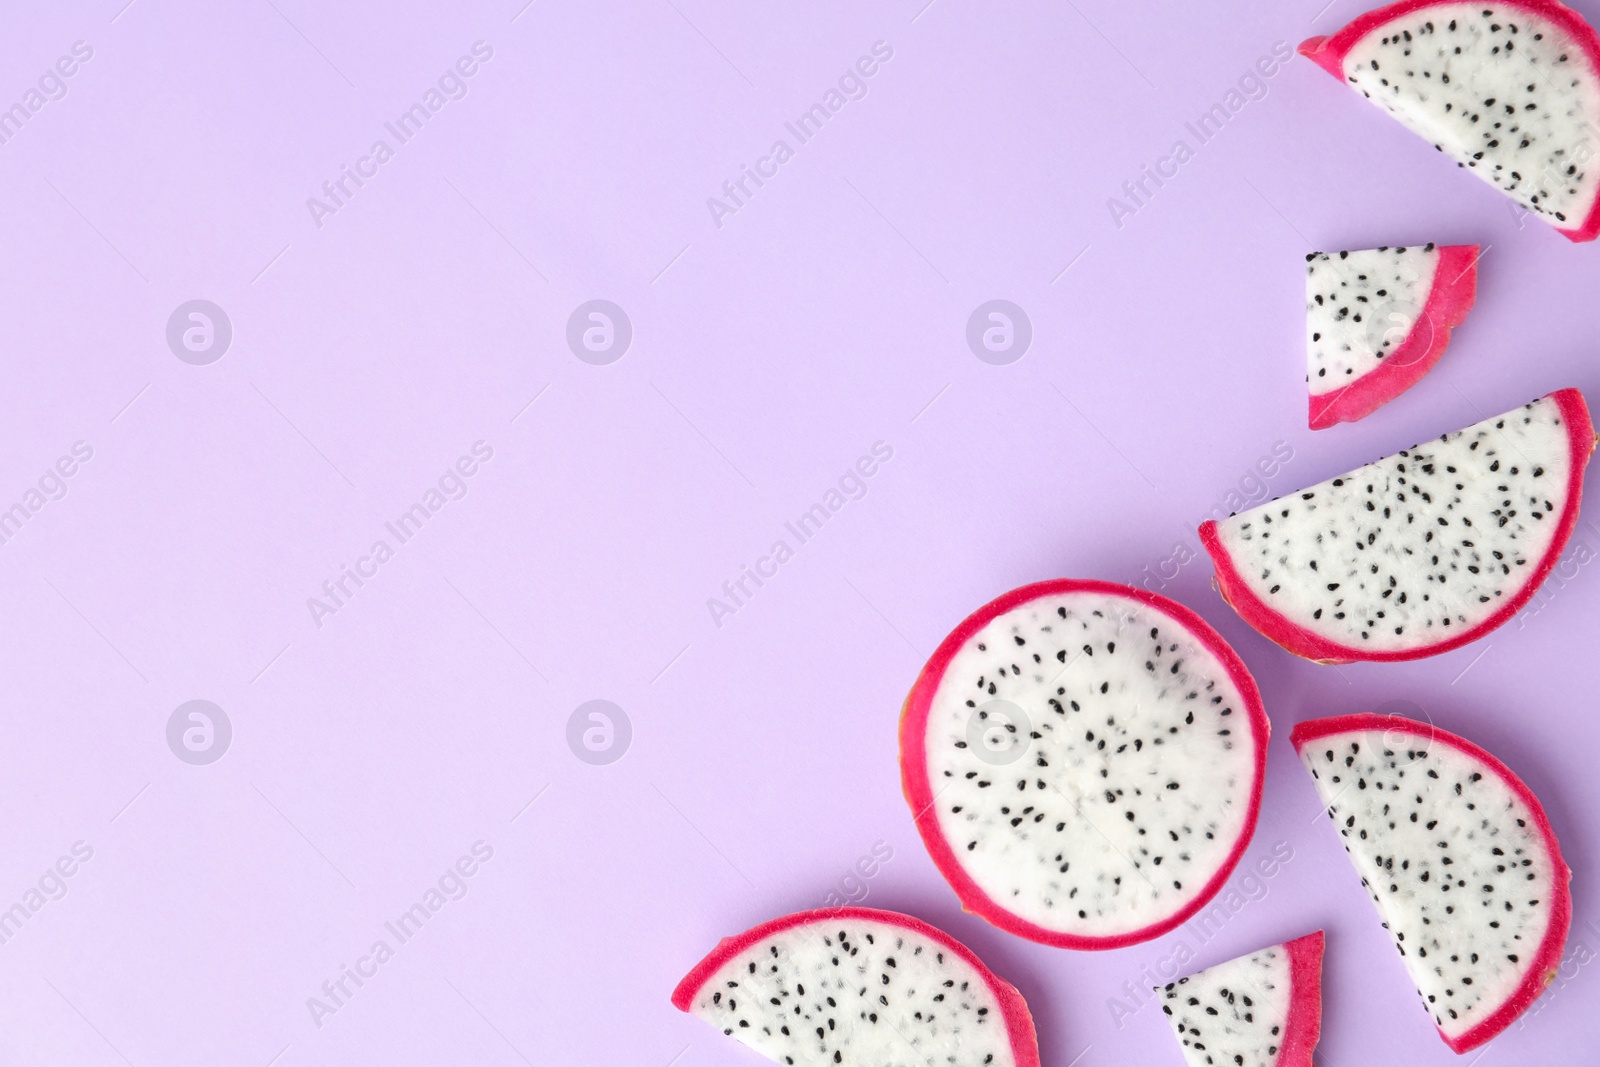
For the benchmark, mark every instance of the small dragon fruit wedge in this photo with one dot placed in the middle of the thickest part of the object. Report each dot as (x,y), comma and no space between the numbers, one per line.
(857,986)
(1260,1010)
(1509,89)
(1417,553)
(1378,320)
(1084,761)
(1459,858)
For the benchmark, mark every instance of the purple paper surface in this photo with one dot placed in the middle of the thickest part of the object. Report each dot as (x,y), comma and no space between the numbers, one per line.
(388,723)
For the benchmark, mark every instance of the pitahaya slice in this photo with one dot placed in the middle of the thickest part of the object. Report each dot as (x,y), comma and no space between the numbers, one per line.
(859,986)
(1458,856)
(1084,762)
(1417,553)
(1509,89)
(1377,320)
(1260,1010)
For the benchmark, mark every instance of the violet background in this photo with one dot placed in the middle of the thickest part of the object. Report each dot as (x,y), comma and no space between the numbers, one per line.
(768,354)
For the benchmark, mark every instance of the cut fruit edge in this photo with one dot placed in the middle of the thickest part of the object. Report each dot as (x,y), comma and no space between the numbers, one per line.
(1547,959)
(1313,646)
(918,788)
(1304,1027)
(1019,1020)
(1329,53)
(1450,297)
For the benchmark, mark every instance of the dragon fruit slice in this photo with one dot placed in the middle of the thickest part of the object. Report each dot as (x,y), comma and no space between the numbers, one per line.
(1084,762)
(859,986)
(1378,320)
(1261,1010)
(1459,858)
(1417,553)
(1508,89)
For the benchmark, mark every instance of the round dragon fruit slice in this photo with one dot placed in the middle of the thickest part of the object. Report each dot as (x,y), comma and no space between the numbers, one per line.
(1377,320)
(1260,1010)
(1509,89)
(1084,762)
(1458,856)
(859,986)
(1419,552)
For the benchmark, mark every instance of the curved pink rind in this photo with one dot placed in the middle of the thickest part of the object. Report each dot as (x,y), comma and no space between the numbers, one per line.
(1313,646)
(1450,297)
(918,788)
(1316,49)
(1330,53)
(1547,959)
(1019,1020)
(1304,1028)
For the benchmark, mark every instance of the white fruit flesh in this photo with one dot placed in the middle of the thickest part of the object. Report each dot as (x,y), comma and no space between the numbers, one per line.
(1452,857)
(1419,546)
(1234,1013)
(1359,307)
(1092,762)
(1502,91)
(859,993)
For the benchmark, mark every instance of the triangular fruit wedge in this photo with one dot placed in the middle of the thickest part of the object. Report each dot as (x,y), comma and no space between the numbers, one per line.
(859,986)
(1509,89)
(1260,1010)
(1417,553)
(1084,762)
(1458,856)
(1377,320)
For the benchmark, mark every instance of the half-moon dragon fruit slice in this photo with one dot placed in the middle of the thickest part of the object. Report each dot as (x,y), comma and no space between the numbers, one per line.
(1459,858)
(1084,762)
(859,986)
(1417,553)
(1377,320)
(1260,1010)
(1509,89)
